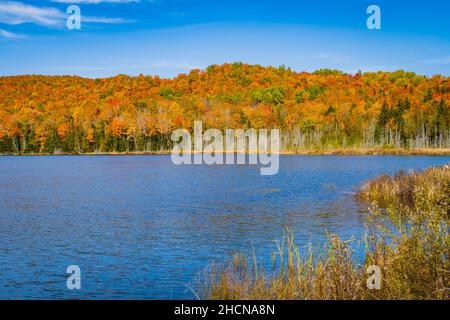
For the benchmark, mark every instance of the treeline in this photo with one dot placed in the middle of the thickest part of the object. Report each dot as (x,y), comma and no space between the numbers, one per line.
(324,109)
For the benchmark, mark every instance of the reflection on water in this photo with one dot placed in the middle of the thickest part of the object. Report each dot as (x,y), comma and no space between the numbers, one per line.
(141,227)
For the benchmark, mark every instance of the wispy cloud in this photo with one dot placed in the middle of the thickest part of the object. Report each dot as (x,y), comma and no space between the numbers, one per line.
(330,57)
(157,63)
(104,20)
(15,13)
(94,1)
(177,14)
(125,66)
(18,13)
(443,60)
(373,68)
(11,35)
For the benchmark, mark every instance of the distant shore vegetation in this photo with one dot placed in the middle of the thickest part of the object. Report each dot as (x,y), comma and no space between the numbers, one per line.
(320,111)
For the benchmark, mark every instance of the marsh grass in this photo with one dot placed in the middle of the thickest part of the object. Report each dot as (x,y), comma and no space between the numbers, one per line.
(407,238)
(419,191)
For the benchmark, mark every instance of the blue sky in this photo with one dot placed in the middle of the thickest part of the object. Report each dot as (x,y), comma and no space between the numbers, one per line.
(167,37)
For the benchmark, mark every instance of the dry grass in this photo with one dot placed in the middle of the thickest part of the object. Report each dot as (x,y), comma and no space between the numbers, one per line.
(431,186)
(377,151)
(332,276)
(408,239)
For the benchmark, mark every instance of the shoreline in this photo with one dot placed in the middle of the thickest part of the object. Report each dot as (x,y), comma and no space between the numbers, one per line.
(339,151)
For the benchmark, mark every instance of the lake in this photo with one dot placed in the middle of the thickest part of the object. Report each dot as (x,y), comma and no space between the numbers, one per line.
(141,227)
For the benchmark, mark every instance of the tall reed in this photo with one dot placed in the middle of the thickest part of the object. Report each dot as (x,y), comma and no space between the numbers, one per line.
(407,239)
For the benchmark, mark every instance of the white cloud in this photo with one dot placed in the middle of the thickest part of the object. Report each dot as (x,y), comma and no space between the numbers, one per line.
(14,13)
(94,1)
(18,13)
(11,35)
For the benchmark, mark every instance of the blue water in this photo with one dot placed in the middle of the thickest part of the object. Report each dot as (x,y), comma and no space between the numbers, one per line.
(141,227)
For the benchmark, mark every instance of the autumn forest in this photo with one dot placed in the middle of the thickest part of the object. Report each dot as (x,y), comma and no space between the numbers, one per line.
(326,109)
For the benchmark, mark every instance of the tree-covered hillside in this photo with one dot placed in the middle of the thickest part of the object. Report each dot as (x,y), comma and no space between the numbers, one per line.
(324,109)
